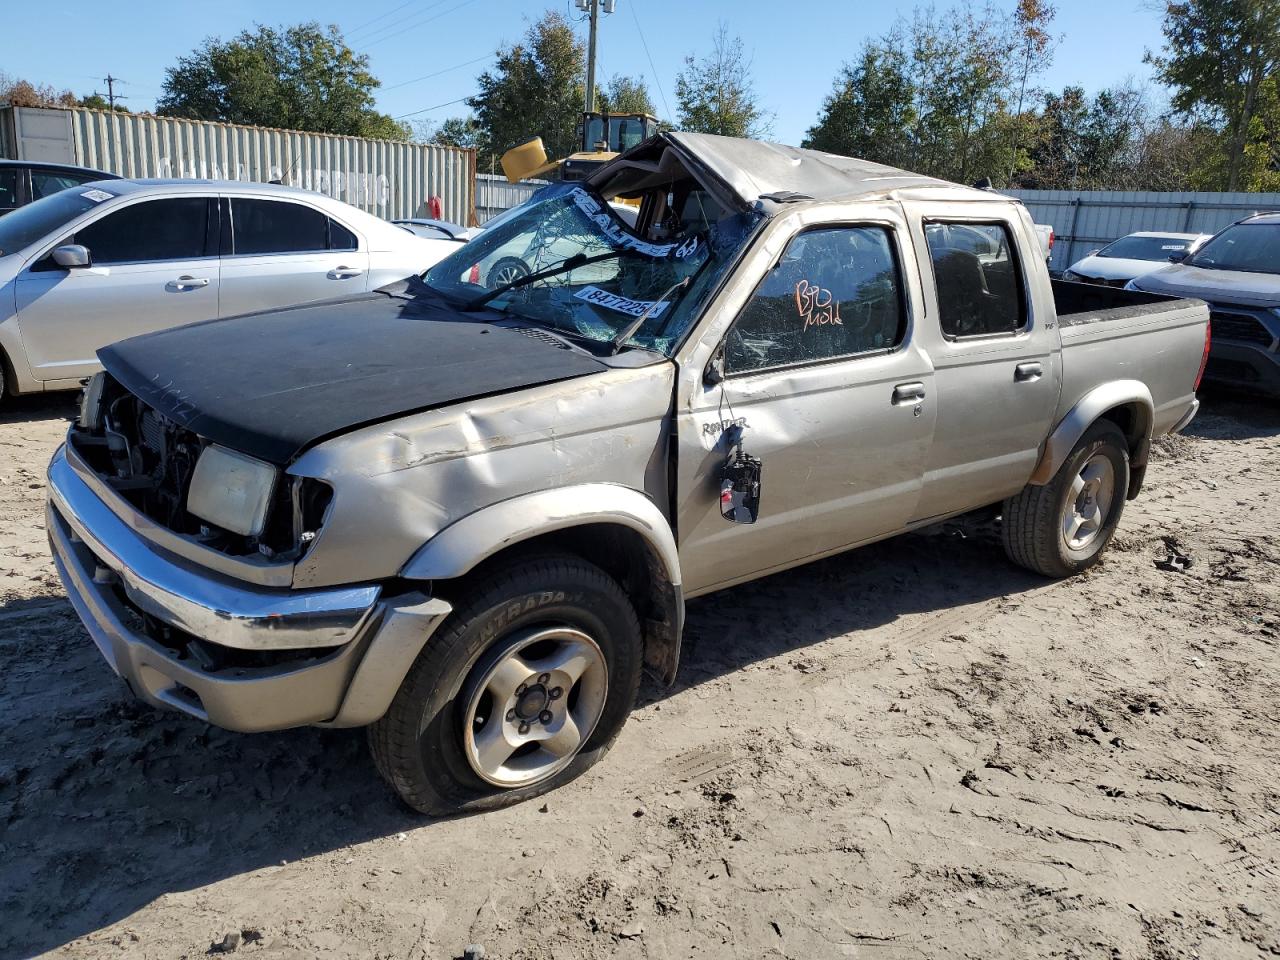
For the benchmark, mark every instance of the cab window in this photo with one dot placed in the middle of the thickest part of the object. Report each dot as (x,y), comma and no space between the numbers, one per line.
(979,281)
(836,292)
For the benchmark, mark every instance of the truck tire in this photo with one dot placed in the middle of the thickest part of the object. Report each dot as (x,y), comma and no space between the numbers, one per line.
(1061,528)
(526,686)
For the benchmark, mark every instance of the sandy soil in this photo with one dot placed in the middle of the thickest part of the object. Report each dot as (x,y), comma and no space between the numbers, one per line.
(915,750)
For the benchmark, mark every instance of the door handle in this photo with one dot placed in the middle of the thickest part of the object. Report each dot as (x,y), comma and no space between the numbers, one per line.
(908,393)
(188,283)
(1026,372)
(344,273)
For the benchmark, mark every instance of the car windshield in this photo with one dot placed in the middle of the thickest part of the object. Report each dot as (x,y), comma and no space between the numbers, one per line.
(1145,248)
(35,221)
(623,274)
(1251,247)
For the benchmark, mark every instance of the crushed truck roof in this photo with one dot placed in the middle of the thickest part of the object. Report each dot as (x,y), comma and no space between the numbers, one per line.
(754,169)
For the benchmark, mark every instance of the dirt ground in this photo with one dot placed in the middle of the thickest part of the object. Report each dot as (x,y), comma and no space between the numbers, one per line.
(915,750)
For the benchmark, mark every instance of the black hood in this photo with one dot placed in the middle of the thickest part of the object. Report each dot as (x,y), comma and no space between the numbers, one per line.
(272,384)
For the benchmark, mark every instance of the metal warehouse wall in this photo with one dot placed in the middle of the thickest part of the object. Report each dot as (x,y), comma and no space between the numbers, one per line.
(389,178)
(496,194)
(1084,220)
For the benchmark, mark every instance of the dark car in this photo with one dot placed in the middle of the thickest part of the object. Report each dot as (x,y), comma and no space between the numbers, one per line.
(22,181)
(1238,273)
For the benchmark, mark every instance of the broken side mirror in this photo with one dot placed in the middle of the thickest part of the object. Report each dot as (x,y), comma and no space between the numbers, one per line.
(715,368)
(72,256)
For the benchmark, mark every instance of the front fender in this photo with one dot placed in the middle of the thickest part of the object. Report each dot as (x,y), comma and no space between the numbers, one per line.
(1086,412)
(461,546)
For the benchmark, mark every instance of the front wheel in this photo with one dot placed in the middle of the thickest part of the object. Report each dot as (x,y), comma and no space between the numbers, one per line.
(1062,527)
(527,686)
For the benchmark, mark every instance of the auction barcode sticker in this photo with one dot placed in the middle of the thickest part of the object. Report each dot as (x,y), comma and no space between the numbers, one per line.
(612,301)
(97,196)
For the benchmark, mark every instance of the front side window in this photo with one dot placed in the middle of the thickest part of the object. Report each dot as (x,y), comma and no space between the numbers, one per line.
(340,238)
(836,292)
(979,282)
(276,226)
(169,229)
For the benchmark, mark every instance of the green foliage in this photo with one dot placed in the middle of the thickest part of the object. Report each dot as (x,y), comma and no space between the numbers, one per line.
(716,94)
(303,77)
(1221,58)
(870,112)
(536,89)
(455,132)
(625,95)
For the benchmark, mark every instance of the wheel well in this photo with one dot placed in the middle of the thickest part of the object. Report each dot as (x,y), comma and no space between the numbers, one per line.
(1134,422)
(8,380)
(627,557)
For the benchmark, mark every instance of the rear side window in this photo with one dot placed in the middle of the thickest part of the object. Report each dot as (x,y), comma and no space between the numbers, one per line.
(340,238)
(836,292)
(169,229)
(276,226)
(44,182)
(979,281)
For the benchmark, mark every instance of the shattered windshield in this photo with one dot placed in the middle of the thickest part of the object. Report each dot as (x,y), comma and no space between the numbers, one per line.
(619,275)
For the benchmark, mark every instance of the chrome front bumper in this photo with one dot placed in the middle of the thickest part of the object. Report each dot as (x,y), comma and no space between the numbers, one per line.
(360,643)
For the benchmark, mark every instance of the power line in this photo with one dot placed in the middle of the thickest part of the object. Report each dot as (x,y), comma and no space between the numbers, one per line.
(436,107)
(654,70)
(381,16)
(400,28)
(428,76)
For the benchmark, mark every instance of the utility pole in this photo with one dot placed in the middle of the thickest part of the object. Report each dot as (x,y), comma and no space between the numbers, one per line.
(594,13)
(110,81)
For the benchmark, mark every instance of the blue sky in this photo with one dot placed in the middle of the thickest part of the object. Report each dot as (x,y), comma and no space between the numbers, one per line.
(796,51)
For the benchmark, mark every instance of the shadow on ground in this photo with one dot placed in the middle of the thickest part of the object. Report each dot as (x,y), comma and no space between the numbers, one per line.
(35,407)
(1234,415)
(110,805)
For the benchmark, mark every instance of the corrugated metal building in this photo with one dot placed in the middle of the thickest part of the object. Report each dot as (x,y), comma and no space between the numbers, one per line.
(1084,220)
(389,178)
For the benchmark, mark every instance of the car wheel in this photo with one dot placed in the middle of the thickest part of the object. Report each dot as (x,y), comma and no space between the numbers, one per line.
(526,686)
(1062,527)
(507,270)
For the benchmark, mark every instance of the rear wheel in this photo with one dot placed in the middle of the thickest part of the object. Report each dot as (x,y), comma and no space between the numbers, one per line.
(525,687)
(1062,527)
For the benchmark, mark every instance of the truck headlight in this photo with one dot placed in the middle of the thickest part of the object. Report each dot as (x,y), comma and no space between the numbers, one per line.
(231,491)
(1133,285)
(1073,277)
(91,402)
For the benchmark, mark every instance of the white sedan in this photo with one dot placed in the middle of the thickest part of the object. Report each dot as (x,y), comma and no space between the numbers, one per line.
(103,261)
(1132,256)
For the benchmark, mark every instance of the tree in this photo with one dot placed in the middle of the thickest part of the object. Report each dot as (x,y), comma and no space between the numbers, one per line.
(1035,55)
(716,94)
(96,101)
(22,93)
(869,112)
(625,95)
(535,89)
(303,77)
(454,132)
(1220,57)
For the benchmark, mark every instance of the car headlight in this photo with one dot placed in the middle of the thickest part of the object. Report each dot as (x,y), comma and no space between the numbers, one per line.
(1133,285)
(231,491)
(91,402)
(1073,277)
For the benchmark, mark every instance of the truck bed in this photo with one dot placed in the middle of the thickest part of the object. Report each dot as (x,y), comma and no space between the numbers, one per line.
(1147,337)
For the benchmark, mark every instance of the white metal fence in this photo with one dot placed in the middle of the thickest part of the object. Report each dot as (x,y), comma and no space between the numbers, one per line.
(495,194)
(389,178)
(1084,220)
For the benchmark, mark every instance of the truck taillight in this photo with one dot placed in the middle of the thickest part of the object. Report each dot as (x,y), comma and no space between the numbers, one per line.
(1051,239)
(1204,358)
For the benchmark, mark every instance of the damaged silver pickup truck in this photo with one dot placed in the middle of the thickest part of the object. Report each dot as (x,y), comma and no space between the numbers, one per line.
(467,510)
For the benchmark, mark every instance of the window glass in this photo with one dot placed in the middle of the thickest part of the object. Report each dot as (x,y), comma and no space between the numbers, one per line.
(170,229)
(8,188)
(978,279)
(275,226)
(1252,247)
(340,238)
(44,183)
(1145,248)
(835,292)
